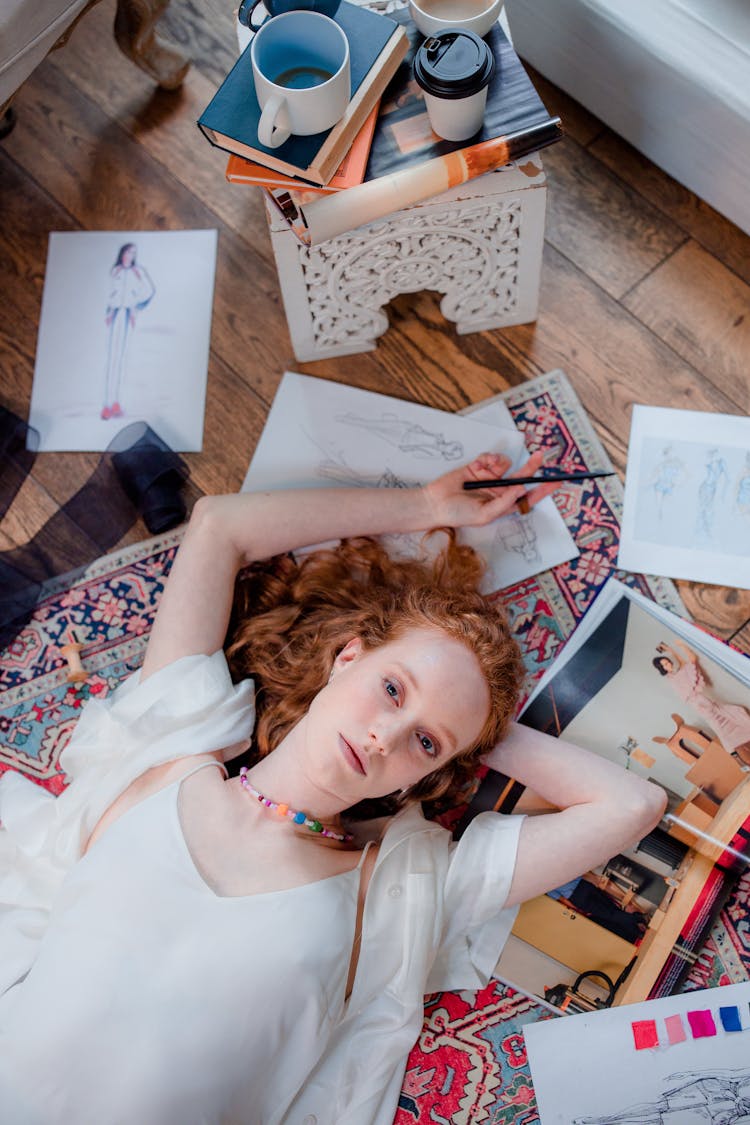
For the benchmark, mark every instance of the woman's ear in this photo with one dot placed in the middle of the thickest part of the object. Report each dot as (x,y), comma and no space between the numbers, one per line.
(351,651)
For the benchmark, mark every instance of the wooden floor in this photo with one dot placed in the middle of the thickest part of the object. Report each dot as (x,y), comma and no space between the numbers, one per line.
(645,290)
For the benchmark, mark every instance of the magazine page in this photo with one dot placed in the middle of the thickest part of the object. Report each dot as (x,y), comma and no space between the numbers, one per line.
(643,688)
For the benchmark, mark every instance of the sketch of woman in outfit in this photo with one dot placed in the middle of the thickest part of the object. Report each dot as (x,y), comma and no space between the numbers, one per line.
(743,488)
(130,290)
(716,473)
(407,436)
(668,472)
(720,1097)
(729,721)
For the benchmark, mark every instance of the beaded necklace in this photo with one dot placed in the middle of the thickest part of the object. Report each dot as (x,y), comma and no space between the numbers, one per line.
(292,814)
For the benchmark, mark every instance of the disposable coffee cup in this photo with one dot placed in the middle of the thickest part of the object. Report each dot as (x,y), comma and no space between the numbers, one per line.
(454,69)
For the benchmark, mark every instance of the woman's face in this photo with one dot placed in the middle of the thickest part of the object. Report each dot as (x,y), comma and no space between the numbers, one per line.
(391,715)
(128,256)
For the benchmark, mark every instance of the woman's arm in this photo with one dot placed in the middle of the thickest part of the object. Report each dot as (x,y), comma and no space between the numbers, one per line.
(226,533)
(603,809)
(689,655)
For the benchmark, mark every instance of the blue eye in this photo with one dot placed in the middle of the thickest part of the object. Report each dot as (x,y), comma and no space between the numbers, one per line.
(392,689)
(428,745)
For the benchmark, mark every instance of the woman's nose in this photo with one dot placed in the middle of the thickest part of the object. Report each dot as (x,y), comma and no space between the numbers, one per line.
(381,740)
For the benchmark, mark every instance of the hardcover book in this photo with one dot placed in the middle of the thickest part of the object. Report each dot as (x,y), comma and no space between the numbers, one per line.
(230,121)
(350,171)
(403,136)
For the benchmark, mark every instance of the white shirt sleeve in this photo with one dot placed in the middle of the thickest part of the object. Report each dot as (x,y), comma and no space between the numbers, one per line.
(476,923)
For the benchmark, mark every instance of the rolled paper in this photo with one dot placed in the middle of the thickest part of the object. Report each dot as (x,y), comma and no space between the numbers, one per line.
(330,215)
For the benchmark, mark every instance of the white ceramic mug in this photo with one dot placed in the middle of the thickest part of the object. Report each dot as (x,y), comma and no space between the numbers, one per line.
(300,66)
(431,16)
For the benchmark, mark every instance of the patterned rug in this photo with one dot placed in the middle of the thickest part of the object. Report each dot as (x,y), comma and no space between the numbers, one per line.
(469,1064)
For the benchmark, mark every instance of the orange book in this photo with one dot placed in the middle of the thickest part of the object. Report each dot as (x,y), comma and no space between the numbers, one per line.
(350,171)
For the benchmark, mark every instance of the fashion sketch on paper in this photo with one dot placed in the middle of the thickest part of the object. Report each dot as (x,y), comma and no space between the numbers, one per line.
(130,291)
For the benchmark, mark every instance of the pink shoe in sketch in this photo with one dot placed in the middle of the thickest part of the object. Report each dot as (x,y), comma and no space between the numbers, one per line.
(115,410)
(106,413)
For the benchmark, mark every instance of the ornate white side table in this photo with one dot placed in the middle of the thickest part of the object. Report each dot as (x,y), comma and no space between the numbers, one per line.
(480,245)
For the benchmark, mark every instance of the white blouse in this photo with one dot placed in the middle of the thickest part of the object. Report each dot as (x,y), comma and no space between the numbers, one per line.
(166,993)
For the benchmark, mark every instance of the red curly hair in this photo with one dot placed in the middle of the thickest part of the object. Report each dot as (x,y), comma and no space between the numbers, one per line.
(290,620)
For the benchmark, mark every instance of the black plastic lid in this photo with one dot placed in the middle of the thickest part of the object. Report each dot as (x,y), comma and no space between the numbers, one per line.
(453,64)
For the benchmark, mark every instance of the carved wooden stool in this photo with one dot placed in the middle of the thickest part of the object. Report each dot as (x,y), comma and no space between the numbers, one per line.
(480,245)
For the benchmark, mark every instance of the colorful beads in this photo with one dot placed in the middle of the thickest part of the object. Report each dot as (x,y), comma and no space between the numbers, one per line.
(292,814)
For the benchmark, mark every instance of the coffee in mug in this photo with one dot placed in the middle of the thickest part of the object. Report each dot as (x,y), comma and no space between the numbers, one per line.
(300,66)
(454,69)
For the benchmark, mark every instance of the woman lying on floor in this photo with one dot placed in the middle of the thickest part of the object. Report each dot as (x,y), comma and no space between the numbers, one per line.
(180,947)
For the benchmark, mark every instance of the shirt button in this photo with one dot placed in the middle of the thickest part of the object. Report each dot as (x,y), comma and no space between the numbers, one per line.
(310,1119)
(395,891)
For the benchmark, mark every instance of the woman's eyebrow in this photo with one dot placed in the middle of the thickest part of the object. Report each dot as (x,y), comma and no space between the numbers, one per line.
(448,740)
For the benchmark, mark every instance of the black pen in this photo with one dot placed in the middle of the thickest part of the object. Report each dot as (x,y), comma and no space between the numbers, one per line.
(505,482)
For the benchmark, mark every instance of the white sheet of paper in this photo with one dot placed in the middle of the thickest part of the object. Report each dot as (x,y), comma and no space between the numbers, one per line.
(136,334)
(586,1070)
(518,546)
(687,496)
(320,433)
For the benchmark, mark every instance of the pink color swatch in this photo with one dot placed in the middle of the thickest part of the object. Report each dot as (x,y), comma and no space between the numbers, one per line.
(701,1023)
(644,1034)
(675,1029)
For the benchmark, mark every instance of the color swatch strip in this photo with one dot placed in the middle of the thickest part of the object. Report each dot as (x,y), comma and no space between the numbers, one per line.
(701,1024)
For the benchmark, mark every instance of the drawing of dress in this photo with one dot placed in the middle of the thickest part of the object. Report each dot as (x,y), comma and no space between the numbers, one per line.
(130,290)
(743,488)
(720,1098)
(668,473)
(730,721)
(409,437)
(716,469)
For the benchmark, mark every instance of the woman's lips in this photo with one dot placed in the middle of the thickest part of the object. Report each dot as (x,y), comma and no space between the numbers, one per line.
(352,756)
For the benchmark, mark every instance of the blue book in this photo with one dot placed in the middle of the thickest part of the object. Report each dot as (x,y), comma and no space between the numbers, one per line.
(377,44)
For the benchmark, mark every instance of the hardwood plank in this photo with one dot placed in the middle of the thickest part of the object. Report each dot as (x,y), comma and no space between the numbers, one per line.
(612,359)
(721,610)
(248,318)
(603,226)
(163,123)
(741,639)
(716,234)
(702,310)
(578,123)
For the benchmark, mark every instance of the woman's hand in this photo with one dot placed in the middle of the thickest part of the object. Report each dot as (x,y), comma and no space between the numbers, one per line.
(452,506)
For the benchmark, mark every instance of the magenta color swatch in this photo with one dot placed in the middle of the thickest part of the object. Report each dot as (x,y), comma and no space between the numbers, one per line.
(644,1034)
(701,1023)
(675,1029)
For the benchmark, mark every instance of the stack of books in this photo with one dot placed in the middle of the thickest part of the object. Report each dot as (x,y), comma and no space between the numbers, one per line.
(393,139)
(377,44)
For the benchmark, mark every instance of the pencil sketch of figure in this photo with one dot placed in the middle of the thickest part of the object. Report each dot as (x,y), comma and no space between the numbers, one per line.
(742,497)
(721,1097)
(518,533)
(716,475)
(409,437)
(667,474)
(130,290)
